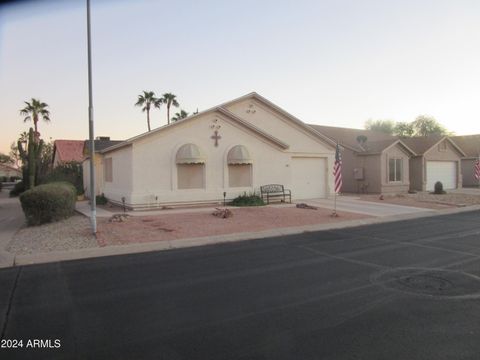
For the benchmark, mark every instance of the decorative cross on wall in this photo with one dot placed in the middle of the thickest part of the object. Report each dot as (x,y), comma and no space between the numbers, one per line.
(215,137)
(215,126)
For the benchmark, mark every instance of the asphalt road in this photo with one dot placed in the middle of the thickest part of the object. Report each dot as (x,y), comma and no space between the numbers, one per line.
(405,290)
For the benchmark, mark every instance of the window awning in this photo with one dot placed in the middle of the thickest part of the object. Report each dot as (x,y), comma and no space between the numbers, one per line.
(238,155)
(189,154)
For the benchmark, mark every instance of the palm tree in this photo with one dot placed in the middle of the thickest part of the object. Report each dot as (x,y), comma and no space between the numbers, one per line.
(147,100)
(169,99)
(33,111)
(180,115)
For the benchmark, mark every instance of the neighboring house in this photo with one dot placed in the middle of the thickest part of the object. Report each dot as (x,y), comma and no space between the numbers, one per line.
(234,148)
(438,158)
(372,162)
(470,144)
(67,150)
(9,171)
(101,143)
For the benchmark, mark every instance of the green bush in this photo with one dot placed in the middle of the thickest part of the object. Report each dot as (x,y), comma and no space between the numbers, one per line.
(438,188)
(248,200)
(18,188)
(101,200)
(70,172)
(48,202)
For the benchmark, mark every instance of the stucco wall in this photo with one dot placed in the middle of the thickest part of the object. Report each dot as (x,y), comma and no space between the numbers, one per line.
(395,152)
(98,175)
(416,169)
(122,175)
(277,125)
(152,164)
(468,173)
(349,162)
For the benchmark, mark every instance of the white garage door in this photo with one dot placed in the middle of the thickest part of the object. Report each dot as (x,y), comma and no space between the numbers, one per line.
(444,171)
(308,178)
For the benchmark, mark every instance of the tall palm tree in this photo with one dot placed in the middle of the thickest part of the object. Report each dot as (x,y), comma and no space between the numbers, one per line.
(147,100)
(180,115)
(169,99)
(33,111)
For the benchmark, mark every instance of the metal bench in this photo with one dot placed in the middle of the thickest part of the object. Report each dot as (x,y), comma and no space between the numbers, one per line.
(275,191)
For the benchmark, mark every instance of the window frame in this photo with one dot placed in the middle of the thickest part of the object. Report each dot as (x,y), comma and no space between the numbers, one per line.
(397,168)
(108,165)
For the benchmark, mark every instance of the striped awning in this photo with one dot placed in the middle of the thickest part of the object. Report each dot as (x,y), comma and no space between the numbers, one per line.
(189,154)
(238,155)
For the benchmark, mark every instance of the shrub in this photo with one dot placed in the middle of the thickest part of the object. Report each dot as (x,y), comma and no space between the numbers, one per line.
(101,200)
(438,188)
(48,202)
(18,188)
(248,200)
(70,171)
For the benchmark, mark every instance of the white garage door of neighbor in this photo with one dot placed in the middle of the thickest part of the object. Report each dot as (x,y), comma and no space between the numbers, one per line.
(308,178)
(444,171)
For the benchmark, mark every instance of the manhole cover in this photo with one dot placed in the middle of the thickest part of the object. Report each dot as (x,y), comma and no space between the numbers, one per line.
(430,282)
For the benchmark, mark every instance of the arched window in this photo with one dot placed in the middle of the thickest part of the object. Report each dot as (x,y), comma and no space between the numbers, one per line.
(239,167)
(190,167)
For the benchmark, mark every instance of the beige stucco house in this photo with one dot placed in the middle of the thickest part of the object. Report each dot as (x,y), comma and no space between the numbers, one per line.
(470,144)
(101,143)
(234,148)
(9,171)
(372,162)
(438,158)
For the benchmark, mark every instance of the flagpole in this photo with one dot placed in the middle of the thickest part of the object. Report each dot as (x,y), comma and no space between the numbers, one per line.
(93,205)
(334,214)
(337,178)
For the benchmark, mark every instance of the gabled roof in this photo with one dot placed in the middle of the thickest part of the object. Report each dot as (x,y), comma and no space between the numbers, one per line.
(347,137)
(68,150)
(279,110)
(422,144)
(470,144)
(220,110)
(100,144)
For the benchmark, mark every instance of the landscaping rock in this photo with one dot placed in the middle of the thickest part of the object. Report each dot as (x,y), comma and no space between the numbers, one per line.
(222,213)
(306,206)
(119,218)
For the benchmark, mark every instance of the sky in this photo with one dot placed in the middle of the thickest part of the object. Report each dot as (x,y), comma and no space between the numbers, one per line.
(330,62)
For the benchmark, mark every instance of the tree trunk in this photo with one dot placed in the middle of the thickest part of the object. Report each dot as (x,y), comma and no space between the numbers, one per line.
(168,114)
(148,119)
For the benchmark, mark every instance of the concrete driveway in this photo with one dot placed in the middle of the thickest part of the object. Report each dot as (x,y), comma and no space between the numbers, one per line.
(355,205)
(11,220)
(467,191)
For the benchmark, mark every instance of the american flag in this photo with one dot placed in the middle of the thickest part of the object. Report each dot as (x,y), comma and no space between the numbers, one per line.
(477,169)
(337,170)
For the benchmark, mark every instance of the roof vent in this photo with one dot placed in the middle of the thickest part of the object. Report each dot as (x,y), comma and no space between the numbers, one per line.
(102,138)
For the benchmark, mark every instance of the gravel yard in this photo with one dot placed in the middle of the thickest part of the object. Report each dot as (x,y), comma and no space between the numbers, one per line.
(72,233)
(198,224)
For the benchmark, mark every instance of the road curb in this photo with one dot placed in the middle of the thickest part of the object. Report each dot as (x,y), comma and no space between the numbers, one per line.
(218,239)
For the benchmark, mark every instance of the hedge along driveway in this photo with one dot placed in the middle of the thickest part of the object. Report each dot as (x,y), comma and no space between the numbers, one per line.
(48,202)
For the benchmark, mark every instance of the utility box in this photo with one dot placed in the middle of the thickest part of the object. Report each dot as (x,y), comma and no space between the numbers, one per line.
(358,174)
